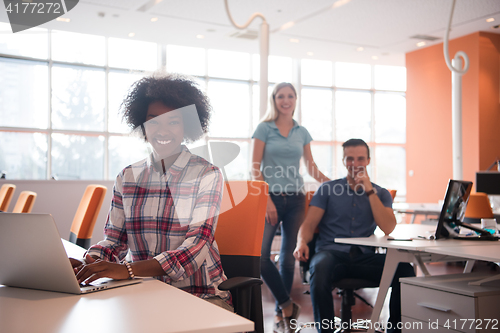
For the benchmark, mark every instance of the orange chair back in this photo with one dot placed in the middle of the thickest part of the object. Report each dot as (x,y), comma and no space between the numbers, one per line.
(88,210)
(240,226)
(479,206)
(393,193)
(25,202)
(6,193)
(238,234)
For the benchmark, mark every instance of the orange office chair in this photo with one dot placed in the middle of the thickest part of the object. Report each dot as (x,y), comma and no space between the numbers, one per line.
(239,232)
(393,193)
(309,196)
(6,193)
(25,202)
(478,208)
(86,215)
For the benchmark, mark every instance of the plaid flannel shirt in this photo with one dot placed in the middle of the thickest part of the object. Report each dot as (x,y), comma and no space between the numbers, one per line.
(170,217)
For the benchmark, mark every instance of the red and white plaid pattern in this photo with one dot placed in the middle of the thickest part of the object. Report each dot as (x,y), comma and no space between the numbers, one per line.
(170,217)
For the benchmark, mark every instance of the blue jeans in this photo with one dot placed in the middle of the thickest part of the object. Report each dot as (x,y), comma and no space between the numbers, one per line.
(290,209)
(329,266)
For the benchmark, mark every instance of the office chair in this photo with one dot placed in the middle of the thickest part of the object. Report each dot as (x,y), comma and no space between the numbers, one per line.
(25,202)
(346,289)
(239,232)
(478,208)
(393,193)
(6,193)
(86,215)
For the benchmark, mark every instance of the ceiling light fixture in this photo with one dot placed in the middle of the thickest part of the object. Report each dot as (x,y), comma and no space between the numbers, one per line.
(310,53)
(491,19)
(132,34)
(294,40)
(420,44)
(428,38)
(339,3)
(154,19)
(359,49)
(62,19)
(200,36)
(286,25)
(374,57)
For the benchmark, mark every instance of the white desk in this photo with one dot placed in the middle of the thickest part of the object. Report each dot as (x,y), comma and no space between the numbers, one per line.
(419,251)
(475,251)
(417,209)
(151,306)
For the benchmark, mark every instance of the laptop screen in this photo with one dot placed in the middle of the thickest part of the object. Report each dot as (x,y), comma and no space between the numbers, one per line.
(453,211)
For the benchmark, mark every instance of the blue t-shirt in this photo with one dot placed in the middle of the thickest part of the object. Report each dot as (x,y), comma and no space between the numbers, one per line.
(281,159)
(347,214)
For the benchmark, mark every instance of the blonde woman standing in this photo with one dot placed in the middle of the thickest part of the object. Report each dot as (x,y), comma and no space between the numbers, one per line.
(279,143)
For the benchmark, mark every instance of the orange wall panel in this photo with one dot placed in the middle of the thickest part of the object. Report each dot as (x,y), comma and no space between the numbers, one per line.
(429,126)
(489,99)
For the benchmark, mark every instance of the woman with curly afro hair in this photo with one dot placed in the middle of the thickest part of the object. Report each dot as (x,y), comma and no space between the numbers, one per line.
(164,208)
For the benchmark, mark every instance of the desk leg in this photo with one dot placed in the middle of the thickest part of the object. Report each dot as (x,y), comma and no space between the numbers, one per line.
(421,264)
(469,265)
(392,260)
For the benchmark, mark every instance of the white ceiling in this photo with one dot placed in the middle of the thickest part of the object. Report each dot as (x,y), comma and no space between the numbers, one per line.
(330,29)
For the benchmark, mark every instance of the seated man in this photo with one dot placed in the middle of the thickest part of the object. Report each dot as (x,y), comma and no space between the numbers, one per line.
(348,207)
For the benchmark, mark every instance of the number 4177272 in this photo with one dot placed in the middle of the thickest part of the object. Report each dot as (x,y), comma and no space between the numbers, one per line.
(34,8)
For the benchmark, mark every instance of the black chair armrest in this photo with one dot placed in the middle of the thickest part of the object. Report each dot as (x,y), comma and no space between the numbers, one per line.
(239,282)
(241,289)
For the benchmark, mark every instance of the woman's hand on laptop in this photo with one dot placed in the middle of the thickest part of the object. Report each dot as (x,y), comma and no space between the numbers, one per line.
(95,269)
(76,264)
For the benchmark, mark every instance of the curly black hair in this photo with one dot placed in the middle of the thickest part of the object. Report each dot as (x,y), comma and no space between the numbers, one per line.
(174,91)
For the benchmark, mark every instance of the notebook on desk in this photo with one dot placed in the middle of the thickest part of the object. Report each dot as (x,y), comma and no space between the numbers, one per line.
(32,256)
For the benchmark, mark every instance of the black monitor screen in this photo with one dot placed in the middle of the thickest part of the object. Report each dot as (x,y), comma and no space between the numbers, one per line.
(488,182)
(453,211)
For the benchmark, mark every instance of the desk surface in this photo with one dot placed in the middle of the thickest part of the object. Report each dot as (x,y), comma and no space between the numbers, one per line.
(151,306)
(409,231)
(474,251)
(417,208)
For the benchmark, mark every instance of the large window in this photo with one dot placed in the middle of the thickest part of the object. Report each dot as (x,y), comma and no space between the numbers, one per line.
(59,106)
(347,100)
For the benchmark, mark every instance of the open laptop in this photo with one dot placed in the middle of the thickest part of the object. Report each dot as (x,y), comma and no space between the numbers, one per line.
(453,212)
(32,256)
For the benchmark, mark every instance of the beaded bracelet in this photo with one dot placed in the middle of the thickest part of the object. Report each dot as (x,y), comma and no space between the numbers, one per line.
(129,269)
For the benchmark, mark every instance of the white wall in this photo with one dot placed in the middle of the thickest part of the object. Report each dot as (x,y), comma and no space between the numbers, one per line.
(61,198)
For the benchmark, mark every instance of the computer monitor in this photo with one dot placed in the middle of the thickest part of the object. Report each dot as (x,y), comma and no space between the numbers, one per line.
(453,211)
(488,182)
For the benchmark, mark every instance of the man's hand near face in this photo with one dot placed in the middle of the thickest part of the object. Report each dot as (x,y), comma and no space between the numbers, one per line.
(361,178)
(356,159)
